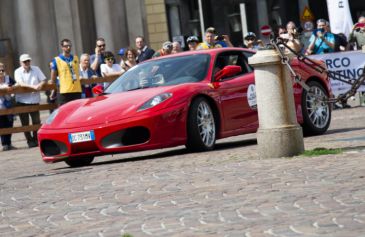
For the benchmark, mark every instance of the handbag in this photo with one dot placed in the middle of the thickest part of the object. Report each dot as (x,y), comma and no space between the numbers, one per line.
(8,102)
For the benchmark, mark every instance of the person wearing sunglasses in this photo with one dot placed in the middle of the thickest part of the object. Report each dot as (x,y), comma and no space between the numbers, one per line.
(192,42)
(109,67)
(97,59)
(322,40)
(30,76)
(6,121)
(66,67)
(252,42)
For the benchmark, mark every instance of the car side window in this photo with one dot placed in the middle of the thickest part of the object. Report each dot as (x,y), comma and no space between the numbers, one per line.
(235,58)
(246,55)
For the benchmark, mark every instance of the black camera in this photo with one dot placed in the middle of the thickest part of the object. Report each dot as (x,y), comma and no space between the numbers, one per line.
(318,30)
(219,38)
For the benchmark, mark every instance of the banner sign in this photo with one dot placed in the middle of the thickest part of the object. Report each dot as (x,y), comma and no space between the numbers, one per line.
(349,65)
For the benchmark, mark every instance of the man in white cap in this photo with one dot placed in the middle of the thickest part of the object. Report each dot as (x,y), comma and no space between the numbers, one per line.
(192,42)
(252,42)
(29,76)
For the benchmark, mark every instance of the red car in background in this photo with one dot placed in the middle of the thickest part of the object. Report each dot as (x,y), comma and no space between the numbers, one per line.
(191,99)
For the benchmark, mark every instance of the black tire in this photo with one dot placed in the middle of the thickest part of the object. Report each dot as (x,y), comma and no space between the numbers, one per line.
(79,162)
(201,126)
(316,113)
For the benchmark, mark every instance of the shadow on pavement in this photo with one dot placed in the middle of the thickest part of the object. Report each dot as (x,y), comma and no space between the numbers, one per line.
(341,130)
(166,154)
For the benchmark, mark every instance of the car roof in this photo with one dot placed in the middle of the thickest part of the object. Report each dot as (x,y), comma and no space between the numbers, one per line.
(204,51)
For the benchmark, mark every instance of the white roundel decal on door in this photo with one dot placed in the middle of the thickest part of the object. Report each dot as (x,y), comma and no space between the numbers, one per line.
(251,96)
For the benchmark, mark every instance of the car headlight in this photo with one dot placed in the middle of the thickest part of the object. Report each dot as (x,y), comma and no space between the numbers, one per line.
(52,116)
(158,99)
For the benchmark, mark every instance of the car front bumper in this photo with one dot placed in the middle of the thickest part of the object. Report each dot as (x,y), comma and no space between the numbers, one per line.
(165,128)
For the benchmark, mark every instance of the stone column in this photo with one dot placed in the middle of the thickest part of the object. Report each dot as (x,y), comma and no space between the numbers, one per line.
(68,24)
(120,30)
(279,134)
(27,34)
(44,10)
(103,22)
(8,20)
(136,21)
(262,13)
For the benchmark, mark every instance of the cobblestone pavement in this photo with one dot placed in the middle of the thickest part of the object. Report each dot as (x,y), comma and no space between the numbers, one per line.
(226,192)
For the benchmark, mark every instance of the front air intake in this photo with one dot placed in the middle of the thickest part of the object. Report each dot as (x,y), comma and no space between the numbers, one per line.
(53,148)
(126,137)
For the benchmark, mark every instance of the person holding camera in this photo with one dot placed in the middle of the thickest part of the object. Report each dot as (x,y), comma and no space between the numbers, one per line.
(209,40)
(322,41)
(251,42)
(357,35)
(290,36)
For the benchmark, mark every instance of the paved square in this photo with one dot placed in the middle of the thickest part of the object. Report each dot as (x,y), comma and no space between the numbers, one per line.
(226,192)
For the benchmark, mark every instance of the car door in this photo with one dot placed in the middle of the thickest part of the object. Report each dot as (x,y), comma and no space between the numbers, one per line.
(237,93)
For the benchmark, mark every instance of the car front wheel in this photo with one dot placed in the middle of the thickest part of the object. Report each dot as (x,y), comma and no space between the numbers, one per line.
(79,162)
(316,112)
(201,128)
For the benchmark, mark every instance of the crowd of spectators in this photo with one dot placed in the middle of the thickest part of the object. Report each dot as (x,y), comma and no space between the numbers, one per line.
(67,71)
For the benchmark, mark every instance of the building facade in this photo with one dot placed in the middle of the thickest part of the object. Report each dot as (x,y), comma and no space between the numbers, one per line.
(37,26)
(226,16)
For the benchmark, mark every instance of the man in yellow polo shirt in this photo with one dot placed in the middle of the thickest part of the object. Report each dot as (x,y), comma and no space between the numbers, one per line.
(212,40)
(66,67)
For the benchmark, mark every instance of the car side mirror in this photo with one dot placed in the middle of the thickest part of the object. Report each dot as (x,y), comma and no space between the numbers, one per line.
(98,90)
(227,71)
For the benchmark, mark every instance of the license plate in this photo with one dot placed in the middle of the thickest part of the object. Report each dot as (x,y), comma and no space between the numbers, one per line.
(81,137)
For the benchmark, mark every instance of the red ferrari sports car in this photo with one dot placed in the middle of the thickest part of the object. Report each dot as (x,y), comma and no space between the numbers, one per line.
(190,99)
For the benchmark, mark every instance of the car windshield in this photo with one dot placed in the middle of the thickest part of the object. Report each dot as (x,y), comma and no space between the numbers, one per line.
(163,72)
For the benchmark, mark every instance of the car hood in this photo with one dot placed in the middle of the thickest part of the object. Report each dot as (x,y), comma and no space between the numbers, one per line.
(105,108)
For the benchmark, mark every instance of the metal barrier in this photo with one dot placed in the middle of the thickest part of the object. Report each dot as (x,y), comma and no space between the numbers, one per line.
(27,109)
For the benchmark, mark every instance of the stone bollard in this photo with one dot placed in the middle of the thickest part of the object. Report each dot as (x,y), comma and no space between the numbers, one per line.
(279,134)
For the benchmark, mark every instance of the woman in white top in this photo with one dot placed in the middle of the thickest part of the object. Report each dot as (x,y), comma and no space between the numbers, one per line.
(110,68)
